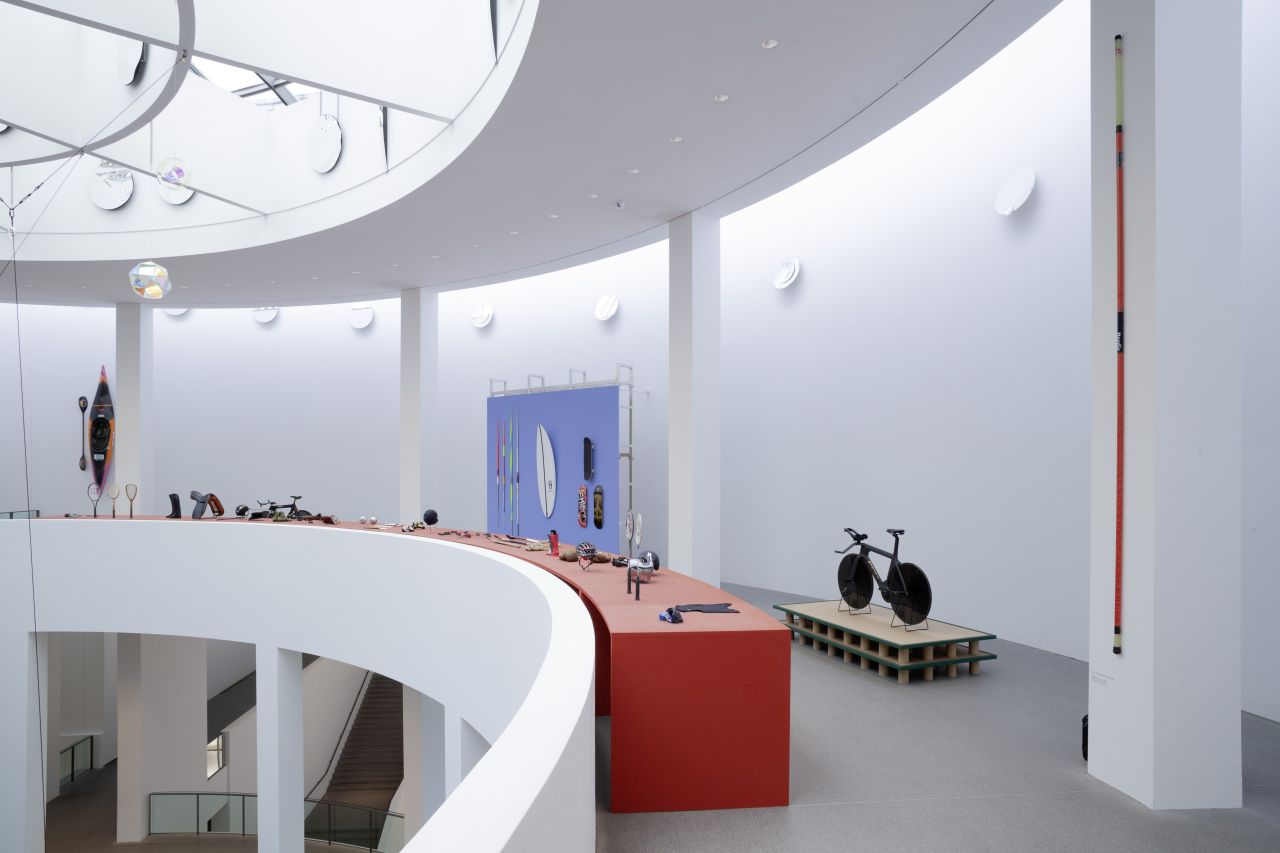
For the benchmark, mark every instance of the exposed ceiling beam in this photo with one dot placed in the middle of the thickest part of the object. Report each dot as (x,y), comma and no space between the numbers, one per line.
(256,69)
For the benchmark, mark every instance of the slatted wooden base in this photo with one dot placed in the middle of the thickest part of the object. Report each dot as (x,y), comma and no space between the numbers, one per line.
(870,639)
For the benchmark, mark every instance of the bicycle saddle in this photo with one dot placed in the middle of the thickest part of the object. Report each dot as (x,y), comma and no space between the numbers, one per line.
(895,533)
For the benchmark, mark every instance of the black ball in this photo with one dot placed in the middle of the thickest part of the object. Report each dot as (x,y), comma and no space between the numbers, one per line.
(430,518)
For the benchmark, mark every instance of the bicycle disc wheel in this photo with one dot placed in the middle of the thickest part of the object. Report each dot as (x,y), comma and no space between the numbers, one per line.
(853,579)
(913,602)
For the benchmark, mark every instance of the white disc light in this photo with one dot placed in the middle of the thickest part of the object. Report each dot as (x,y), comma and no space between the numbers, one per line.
(482,316)
(175,312)
(129,57)
(1015,191)
(265,315)
(606,307)
(361,316)
(110,186)
(787,273)
(172,175)
(324,143)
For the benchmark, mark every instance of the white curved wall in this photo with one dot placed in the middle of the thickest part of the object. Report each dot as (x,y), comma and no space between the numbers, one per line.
(521,676)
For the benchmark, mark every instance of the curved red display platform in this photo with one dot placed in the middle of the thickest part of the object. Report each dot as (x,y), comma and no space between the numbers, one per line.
(701,710)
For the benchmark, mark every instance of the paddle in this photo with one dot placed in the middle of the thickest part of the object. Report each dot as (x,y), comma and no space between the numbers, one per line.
(84,405)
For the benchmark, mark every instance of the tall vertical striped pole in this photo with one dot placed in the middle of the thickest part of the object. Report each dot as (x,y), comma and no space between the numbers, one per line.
(1119,333)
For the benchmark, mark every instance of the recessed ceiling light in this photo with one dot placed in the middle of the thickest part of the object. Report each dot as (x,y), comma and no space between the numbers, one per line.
(395,266)
(593,195)
(514,233)
(720,99)
(355,272)
(226,285)
(769,44)
(84,287)
(474,245)
(435,257)
(185,286)
(315,278)
(675,139)
(271,282)
(633,171)
(553,216)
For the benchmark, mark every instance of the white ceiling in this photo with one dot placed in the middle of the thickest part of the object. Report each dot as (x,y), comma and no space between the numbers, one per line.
(602,88)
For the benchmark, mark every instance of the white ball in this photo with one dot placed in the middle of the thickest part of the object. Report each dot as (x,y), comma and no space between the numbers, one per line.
(363,519)
(373,519)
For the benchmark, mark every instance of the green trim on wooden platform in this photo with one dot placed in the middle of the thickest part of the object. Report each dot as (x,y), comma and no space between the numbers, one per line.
(871,629)
(892,663)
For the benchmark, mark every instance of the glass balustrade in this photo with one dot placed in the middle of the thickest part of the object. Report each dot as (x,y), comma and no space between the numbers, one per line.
(335,824)
(75,761)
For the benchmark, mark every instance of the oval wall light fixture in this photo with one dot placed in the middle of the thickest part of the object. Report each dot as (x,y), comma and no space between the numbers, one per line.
(130,55)
(1015,191)
(482,316)
(787,273)
(171,180)
(266,314)
(110,186)
(606,307)
(324,143)
(150,280)
(361,316)
(175,312)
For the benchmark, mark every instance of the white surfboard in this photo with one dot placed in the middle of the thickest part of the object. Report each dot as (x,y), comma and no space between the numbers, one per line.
(546,472)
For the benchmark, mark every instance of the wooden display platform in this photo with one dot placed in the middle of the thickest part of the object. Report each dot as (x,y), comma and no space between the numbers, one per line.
(869,638)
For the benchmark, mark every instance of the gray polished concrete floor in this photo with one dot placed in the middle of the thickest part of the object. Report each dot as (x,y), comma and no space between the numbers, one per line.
(976,764)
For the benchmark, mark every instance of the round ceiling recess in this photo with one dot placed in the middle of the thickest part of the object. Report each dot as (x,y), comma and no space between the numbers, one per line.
(361,316)
(175,312)
(324,143)
(265,315)
(172,175)
(130,55)
(606,307)
(482,316)
(787,273)
(110,186)
(1015,191)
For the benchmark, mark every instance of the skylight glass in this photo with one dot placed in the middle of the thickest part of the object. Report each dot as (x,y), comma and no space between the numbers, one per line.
(225,76)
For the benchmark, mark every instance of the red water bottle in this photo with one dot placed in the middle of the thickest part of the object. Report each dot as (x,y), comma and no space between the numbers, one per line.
(554,539)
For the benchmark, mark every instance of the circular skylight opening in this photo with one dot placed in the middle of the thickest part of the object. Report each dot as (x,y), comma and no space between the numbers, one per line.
(265,315)
(606,307)
(361,316)
(482,316)
(787,274)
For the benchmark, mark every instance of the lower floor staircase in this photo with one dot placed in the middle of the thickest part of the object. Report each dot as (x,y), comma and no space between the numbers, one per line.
(371,766)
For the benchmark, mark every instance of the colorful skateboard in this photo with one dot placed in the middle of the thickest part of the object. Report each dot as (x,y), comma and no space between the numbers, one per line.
(599,506)
(582,506)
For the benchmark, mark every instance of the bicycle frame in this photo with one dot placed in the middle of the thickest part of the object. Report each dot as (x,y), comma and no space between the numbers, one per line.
(881,583)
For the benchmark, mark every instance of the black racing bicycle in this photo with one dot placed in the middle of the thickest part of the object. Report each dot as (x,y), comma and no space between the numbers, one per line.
(905,588)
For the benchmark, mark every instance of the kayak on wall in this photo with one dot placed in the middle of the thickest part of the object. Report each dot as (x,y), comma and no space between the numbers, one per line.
(102,430)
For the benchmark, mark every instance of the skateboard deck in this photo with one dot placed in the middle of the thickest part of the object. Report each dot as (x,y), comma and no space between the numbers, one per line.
(599,507)
(582,506)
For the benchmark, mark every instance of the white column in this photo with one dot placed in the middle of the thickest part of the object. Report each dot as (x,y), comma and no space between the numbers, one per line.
(452,750)
(1165,714)
(131,396)
(424,775)
(162,696)
(693,442)
(21,755)
(280,785)
(419,357)
(104,751)
(131,802)
(51,682)
(410,404)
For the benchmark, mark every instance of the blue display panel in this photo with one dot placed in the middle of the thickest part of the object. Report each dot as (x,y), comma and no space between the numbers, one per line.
(513,486)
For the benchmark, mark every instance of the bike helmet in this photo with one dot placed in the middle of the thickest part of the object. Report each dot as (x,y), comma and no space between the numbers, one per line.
(586,555)
(242,510)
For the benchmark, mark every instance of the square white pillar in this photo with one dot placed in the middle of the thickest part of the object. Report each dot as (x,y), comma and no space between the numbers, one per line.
(131,803)
(694,420)
(424,774)
(1164,724)
(131,395)
(419,412)
(279,717)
